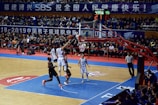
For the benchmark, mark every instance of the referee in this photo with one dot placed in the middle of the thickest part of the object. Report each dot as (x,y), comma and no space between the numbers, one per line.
(129,60)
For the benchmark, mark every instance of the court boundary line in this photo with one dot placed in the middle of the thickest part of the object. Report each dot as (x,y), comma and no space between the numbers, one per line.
(105,91)
(74,84)
(68,90)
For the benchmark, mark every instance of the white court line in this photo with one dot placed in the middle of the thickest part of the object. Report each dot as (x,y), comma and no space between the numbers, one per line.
(90,83)
(83,83)
(75,84)
(104,92)
(68,91)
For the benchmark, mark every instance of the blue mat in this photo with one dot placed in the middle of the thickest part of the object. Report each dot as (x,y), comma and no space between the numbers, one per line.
(75,89)
(129,84)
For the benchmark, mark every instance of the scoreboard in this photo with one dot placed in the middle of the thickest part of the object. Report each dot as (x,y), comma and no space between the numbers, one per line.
(101,14)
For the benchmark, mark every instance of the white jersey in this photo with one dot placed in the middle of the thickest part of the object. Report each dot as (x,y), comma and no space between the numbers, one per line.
(60,53)
(129,59)
(53,54)
(61,60)
(83,63)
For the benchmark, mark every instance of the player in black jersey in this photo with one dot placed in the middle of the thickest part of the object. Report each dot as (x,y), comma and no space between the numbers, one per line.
(67,72)
(52,72)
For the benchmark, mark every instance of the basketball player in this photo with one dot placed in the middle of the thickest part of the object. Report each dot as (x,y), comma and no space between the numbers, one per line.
(83,67)
(67,72)
(53,53)
(61,57)
(52,72)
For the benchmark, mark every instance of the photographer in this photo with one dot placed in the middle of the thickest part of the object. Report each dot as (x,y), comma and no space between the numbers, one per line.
(150,77)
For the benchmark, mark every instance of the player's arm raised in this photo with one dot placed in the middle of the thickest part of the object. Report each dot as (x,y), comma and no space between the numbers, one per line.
(66,44)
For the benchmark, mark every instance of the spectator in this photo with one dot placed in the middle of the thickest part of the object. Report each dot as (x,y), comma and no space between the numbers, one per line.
(156,99)
(111,50)
(150,78)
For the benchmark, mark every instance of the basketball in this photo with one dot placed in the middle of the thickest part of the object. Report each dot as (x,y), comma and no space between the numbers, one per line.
(70,37)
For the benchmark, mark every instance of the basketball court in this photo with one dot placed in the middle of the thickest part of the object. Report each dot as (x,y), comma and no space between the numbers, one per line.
(21,77)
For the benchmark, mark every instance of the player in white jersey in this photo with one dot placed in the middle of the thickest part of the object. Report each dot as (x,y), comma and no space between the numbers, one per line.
(53,53)
(83,67)
(61,57)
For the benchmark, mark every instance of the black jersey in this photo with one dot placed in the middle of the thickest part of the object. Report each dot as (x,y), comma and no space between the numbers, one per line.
(52,71)
(67,70)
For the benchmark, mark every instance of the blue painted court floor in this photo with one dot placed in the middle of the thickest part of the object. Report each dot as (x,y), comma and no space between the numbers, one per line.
(109,93)
(75,89)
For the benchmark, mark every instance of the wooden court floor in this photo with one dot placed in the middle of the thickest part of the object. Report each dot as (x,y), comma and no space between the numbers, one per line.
(10,67)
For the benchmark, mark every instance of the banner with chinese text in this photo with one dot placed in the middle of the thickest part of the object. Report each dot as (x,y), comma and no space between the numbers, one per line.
(127,34)
(80,7)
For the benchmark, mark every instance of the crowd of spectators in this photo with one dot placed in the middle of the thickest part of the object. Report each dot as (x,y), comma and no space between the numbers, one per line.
(68,1)
(54,21)
(61,21)
(96,48)
(43,43)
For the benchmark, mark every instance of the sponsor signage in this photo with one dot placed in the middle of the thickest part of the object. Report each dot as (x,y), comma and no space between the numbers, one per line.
(80,7)
(127,34)
(14,80)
